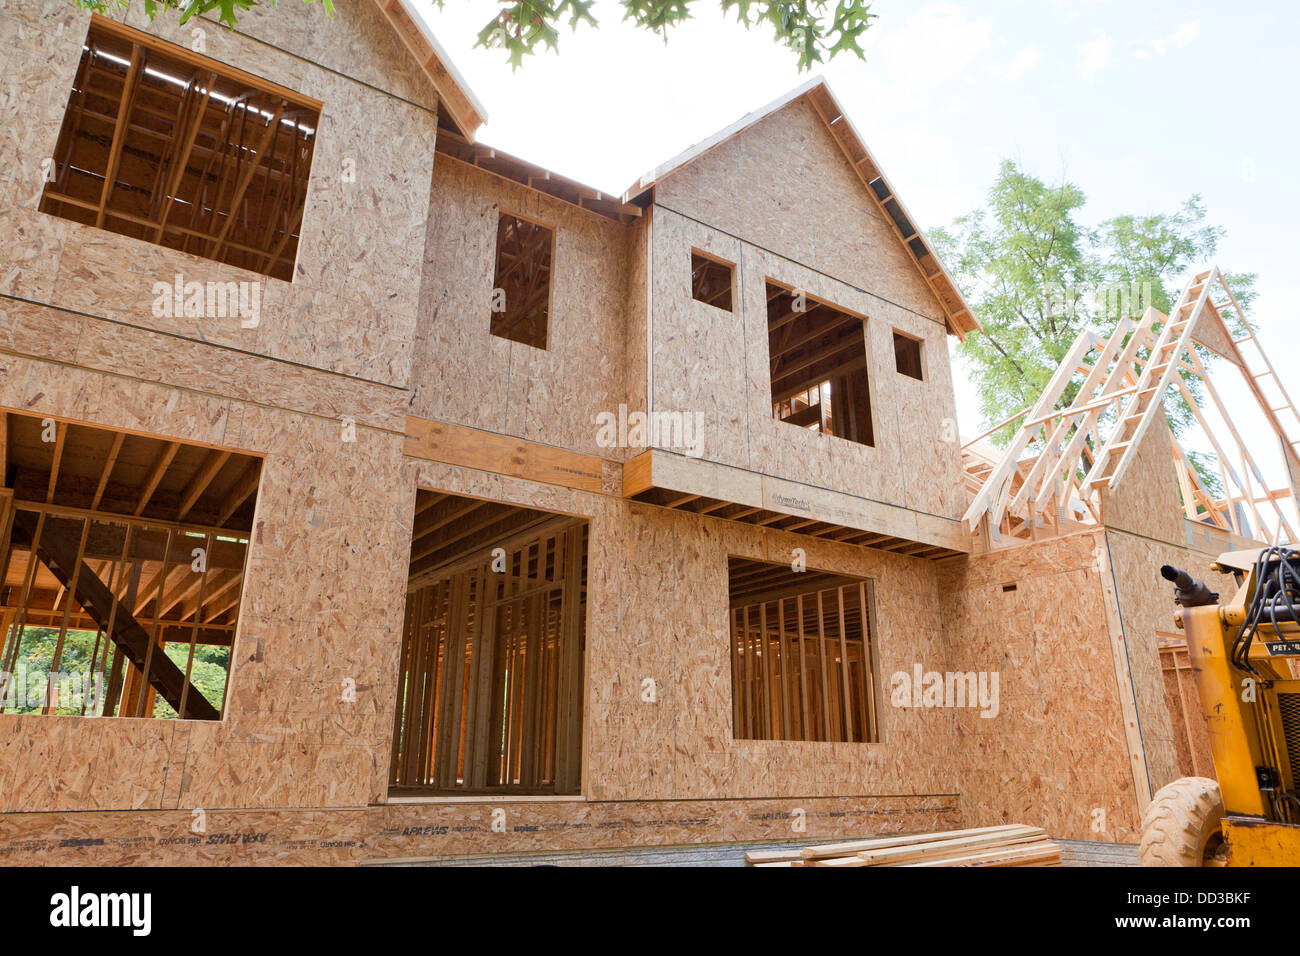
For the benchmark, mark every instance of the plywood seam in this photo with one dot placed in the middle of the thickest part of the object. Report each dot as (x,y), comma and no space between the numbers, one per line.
(1132,686)
(334,420)
(650,317)
(744,341)
(827,275)
(184,338)
(432,111)
(1176,544)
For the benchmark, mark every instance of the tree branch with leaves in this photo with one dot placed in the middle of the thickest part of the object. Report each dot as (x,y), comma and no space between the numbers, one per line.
(814,30)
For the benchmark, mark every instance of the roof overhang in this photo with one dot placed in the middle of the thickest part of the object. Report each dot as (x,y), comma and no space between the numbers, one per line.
(516,170)
(454,95)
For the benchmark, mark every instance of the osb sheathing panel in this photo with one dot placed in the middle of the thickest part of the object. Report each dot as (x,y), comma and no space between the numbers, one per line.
(638,350)
(434,830)
(784,184)
(657,599)
(1147,500)
(698,364)
(315,657)
(1146,607)
(1056,752)
(915,459)
(351,306)
(356,42)
(468,376)
(716,362)
(38,331)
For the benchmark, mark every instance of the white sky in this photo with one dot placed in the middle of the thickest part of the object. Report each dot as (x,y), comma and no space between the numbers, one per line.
(1140,104)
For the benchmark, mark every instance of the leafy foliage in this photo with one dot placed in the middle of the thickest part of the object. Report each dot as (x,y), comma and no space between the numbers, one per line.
(815,30)
(207,672)
(1036,276)
(189,9)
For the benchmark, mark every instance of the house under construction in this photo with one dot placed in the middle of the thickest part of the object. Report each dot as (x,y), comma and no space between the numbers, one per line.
(372,495)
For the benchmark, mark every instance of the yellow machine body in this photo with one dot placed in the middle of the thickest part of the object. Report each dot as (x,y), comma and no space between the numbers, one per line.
(1253,722)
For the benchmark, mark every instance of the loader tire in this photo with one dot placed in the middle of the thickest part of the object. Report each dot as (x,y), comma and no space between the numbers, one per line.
(1181,826)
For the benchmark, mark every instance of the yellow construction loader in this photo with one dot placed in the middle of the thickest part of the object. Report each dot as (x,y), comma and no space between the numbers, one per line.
(1241,652)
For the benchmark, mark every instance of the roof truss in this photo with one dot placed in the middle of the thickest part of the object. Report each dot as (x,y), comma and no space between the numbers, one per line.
(1067,453)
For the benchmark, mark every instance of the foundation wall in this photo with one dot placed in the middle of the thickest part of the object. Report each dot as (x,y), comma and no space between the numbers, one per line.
(419,832)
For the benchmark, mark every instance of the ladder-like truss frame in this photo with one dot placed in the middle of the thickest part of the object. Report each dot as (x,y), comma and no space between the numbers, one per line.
(1051,477)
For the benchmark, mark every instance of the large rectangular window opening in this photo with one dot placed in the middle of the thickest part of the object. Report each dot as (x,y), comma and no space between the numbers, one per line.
(801,654)
(161,144)
(818,357)
(122,570)
(490,690)
(521,288)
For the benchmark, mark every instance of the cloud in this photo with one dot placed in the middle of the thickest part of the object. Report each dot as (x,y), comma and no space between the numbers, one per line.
(1074,9)
(1184,35)
(1094,54)
(927,50)
(1019,63)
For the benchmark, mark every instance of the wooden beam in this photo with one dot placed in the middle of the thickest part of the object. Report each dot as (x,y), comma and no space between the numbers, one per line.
(246,177)
(129,86)
(241,492)
(160,466)
(502,454)
(202,479)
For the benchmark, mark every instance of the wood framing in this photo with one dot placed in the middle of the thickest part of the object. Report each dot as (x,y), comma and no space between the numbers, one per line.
(456,97)
(1068,460)
(162,144)
(457,445)
(549,573)
(97,549)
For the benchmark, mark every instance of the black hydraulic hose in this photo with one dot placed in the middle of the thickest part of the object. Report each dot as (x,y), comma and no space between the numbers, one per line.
(1277,590)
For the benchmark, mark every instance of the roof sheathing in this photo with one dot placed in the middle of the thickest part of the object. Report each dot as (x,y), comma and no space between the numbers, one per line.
(958,315)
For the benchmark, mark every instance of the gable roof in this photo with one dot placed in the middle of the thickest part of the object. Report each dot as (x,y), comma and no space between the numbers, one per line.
(957,314)
(454,94)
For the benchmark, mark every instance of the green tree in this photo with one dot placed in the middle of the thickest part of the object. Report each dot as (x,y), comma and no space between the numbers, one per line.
(34,661)
(1024,263)
(84,652)
(814,30)
(1037,276)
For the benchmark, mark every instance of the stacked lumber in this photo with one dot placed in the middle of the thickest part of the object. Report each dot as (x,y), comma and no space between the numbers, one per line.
(1009,845)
